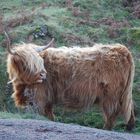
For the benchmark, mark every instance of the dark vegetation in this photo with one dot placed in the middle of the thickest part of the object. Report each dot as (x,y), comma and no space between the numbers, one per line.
(70,22)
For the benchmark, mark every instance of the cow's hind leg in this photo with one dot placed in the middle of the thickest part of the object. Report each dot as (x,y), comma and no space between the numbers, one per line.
(110,114)
(131,123)
(129,119)
(128,112)
(109,121)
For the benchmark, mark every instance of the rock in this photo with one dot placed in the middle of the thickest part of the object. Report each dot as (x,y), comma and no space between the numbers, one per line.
(40,32)
(20,129)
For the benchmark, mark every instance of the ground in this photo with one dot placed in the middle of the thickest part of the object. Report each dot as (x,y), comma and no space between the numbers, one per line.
(13,129)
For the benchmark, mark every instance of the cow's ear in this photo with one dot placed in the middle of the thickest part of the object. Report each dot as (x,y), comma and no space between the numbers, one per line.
(43,53)
(14,60)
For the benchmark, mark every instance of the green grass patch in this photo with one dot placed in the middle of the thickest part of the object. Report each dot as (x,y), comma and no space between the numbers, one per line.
(8,115)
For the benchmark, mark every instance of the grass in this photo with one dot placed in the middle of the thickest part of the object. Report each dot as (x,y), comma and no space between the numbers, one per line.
(98,21)
(8,115)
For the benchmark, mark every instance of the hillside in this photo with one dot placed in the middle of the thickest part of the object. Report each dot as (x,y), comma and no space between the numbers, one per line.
(70,22)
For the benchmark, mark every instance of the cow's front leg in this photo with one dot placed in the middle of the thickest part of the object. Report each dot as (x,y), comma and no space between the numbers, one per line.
(49,111)
(18,95)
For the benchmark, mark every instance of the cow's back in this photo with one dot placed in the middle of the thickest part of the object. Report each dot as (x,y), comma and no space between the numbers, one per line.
(81,75)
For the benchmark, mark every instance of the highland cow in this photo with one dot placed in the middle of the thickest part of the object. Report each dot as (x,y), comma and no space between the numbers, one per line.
(75,78)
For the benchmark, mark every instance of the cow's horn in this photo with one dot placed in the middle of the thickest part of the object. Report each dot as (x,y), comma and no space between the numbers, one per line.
(9,44)
(41,48)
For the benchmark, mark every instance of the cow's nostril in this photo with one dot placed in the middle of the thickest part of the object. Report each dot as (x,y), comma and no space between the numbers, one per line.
(43,75)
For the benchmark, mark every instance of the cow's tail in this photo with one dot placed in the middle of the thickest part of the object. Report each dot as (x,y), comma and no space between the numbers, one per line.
(126,100)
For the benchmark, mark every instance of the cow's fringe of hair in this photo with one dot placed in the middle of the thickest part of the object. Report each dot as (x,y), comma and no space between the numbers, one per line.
(27,55)
(26,63)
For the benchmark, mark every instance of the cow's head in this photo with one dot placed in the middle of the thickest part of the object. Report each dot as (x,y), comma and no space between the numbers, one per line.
(25,65)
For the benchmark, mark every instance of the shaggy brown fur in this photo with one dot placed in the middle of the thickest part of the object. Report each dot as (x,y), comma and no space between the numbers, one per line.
(76,78)
(22,72)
